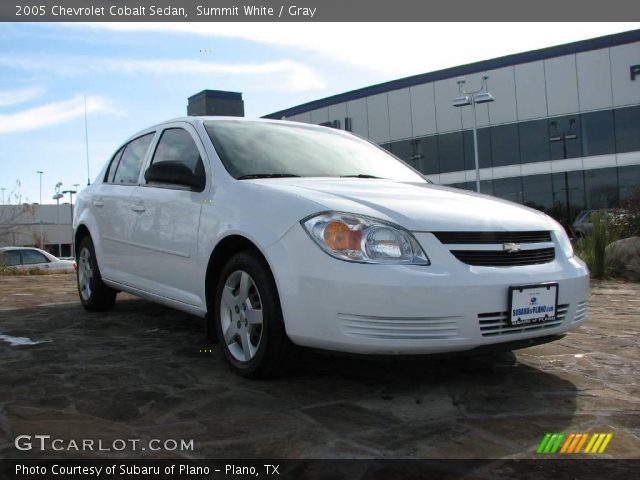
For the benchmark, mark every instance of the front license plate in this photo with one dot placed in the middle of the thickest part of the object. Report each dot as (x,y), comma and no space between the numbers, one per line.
(531,304)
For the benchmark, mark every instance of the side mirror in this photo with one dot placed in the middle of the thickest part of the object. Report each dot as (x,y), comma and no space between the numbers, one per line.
(174,173)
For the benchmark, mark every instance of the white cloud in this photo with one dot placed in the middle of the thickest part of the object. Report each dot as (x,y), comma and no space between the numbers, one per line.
(295,76)
(17,96)
(393,49)
(52,113)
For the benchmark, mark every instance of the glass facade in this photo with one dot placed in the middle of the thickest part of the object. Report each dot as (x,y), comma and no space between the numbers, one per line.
(564,194)
(595,133)
(582,189)
(534,141)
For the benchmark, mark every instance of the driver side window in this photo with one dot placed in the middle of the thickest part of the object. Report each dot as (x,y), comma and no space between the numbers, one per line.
(177,145)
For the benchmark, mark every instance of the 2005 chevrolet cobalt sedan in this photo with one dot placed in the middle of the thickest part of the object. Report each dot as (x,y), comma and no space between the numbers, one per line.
(283,234)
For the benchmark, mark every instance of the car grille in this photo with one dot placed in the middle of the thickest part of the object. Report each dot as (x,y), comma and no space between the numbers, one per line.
(497,323)
(404,328)
(489,249)
(492,237)
(497,258)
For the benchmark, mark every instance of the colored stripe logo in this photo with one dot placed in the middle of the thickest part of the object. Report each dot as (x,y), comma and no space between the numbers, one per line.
(573,443)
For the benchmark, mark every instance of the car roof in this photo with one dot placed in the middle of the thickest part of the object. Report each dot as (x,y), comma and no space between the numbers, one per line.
(197,120)
(6,249)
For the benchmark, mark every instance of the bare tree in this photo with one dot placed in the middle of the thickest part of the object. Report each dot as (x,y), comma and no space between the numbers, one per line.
(14,217)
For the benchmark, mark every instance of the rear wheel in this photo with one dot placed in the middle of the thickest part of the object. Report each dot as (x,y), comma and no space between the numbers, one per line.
(248,317)
(95,296)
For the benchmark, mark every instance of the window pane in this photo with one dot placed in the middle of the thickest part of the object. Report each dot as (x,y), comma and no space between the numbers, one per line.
(451,152)
(601,186)
(31,257)
(508,188)
(113,165)
(505,145)
(484,149)
(564,137)
(627,129)
(402,150)
(10,258)
(534,141)
(131,161)
(176,145)
(486,187)
(538,192)
(629,178)
(568,186)
(420,153)
(597,133)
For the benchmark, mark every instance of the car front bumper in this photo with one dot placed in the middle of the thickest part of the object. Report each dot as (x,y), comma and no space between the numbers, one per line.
(447,306)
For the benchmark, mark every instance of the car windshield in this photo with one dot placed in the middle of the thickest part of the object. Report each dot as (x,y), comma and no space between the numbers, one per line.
(272,150)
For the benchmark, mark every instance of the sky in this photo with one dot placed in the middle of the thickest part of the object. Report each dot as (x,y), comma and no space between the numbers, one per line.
(133,75)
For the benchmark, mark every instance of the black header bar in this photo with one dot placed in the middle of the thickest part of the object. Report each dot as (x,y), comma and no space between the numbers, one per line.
(317,11)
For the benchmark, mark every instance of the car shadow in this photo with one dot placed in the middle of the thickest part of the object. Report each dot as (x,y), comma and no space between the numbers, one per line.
(145,370)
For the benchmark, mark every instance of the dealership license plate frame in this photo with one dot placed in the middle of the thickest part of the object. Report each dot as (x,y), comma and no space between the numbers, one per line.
(521,290)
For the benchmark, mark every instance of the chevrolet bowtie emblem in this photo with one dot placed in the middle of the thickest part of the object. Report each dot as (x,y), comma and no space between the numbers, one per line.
(511,247)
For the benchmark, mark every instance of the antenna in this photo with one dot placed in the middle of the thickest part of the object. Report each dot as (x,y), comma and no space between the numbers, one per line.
(86,139)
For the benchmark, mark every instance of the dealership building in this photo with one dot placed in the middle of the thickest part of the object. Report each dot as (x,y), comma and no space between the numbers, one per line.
(562,134)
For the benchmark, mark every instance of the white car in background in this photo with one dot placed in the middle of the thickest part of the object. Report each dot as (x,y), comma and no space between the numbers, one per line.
(281,233)
(27,258)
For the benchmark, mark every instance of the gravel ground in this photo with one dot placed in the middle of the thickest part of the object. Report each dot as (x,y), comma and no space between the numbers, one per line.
(141,372)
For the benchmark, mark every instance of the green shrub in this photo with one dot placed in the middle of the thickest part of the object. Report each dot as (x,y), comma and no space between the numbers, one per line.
(12,272)
(591,248)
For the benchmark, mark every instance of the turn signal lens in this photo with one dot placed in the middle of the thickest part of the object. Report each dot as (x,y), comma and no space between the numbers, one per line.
(339,237)
(357,238)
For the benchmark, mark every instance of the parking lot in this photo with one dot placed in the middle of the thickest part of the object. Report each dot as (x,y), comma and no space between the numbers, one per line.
(141,372)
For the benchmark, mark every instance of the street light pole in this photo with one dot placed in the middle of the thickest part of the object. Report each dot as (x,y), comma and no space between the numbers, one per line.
(57,198)
(472,98)
(39,172)
(3,189)
(71,192)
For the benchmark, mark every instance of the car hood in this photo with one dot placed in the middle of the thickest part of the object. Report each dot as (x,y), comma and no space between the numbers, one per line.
(415,206)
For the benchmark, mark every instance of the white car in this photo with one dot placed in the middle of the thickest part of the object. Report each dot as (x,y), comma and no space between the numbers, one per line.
(27,258)
(283,234)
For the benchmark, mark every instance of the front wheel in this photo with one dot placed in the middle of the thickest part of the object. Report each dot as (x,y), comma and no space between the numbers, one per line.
(95,296)
(248,317)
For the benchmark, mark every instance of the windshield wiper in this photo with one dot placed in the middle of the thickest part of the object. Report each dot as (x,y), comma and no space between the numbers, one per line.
(360,175)
(267,175)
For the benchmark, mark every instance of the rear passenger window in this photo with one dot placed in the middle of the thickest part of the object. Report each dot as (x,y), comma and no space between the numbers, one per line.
(177,145)
(128,169)
(31,257)
(113,165)
(10,258)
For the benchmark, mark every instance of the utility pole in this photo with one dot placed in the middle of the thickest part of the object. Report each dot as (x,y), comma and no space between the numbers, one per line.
(40,172)
(86,139)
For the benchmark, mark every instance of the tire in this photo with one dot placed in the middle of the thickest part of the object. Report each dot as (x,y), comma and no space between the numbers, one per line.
(248,317)
(95,296)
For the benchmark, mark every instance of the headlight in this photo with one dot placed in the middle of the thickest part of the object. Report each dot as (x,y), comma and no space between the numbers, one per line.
(357,238)
(563,240)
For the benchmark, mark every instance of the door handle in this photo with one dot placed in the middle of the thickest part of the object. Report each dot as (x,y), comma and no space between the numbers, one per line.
(138,208)
(98,203)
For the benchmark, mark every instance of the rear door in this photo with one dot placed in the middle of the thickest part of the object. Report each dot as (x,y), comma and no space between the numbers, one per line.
(168,218)
(10,258)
